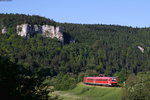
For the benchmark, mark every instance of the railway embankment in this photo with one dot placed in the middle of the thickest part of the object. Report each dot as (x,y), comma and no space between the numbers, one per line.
(90,92)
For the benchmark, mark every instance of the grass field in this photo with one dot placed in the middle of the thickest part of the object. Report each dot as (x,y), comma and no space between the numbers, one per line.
(87,92)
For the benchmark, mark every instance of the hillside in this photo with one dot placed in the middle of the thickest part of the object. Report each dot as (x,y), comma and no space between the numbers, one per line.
(84,92)
(105,48)
(89,50)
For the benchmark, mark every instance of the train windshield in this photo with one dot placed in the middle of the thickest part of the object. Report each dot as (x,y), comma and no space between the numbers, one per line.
(114,79)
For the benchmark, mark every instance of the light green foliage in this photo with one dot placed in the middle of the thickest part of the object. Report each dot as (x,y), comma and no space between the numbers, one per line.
(64,82)
(137,87)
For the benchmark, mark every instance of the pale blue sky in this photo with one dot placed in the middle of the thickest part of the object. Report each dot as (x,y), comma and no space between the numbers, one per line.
(119,12)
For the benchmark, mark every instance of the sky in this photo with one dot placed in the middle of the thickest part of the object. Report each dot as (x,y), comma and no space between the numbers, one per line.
(135,13)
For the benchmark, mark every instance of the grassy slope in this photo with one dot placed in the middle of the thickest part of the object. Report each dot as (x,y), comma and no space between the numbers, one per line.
(86,92)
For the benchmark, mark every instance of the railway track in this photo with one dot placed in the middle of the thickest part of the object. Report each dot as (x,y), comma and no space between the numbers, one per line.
(98,86)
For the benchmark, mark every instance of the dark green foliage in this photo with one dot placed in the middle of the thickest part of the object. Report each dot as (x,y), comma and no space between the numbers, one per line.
(16,85)
(99,49)
(8,75)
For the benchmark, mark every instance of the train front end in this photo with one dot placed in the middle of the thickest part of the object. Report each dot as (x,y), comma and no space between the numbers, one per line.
(114,81)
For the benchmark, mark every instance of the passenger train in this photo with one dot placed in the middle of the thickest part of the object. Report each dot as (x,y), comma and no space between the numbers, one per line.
(107,81)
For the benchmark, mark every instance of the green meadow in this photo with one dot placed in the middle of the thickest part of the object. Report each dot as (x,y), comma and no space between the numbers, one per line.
(87,92)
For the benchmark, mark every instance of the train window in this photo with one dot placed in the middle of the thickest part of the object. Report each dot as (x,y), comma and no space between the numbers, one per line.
(114,79)
(90,79)
(99,80)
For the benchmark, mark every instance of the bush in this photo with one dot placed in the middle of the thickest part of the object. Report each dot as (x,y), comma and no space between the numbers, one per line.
(137,87)
(64,82)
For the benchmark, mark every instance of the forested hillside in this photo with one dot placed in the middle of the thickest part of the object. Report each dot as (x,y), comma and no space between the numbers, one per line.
(109,49)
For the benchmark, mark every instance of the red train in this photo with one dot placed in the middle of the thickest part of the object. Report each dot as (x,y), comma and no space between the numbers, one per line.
(109,81)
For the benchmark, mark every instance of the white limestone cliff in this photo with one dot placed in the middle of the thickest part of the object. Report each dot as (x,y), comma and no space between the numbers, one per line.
(23,30)
(26,30)
(141,49)
(4,30)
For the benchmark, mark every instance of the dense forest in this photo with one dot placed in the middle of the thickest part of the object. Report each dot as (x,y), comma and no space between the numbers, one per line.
(98,49)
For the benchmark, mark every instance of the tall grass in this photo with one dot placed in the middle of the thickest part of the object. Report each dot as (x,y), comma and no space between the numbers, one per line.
(97,93)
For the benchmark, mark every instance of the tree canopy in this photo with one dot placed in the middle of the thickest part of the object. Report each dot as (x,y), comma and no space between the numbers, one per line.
(106,49)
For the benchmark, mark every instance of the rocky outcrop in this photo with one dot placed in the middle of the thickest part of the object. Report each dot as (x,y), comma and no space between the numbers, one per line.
(27,30)
(141,49)
(4,30)
(53,32)
(23,30)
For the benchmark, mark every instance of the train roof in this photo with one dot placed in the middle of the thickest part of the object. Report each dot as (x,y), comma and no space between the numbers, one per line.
(99,77)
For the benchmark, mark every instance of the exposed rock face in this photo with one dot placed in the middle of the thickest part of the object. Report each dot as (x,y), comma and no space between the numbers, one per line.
(23,29)
(141,49)
(53,32)
(46,30)
(4,30)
